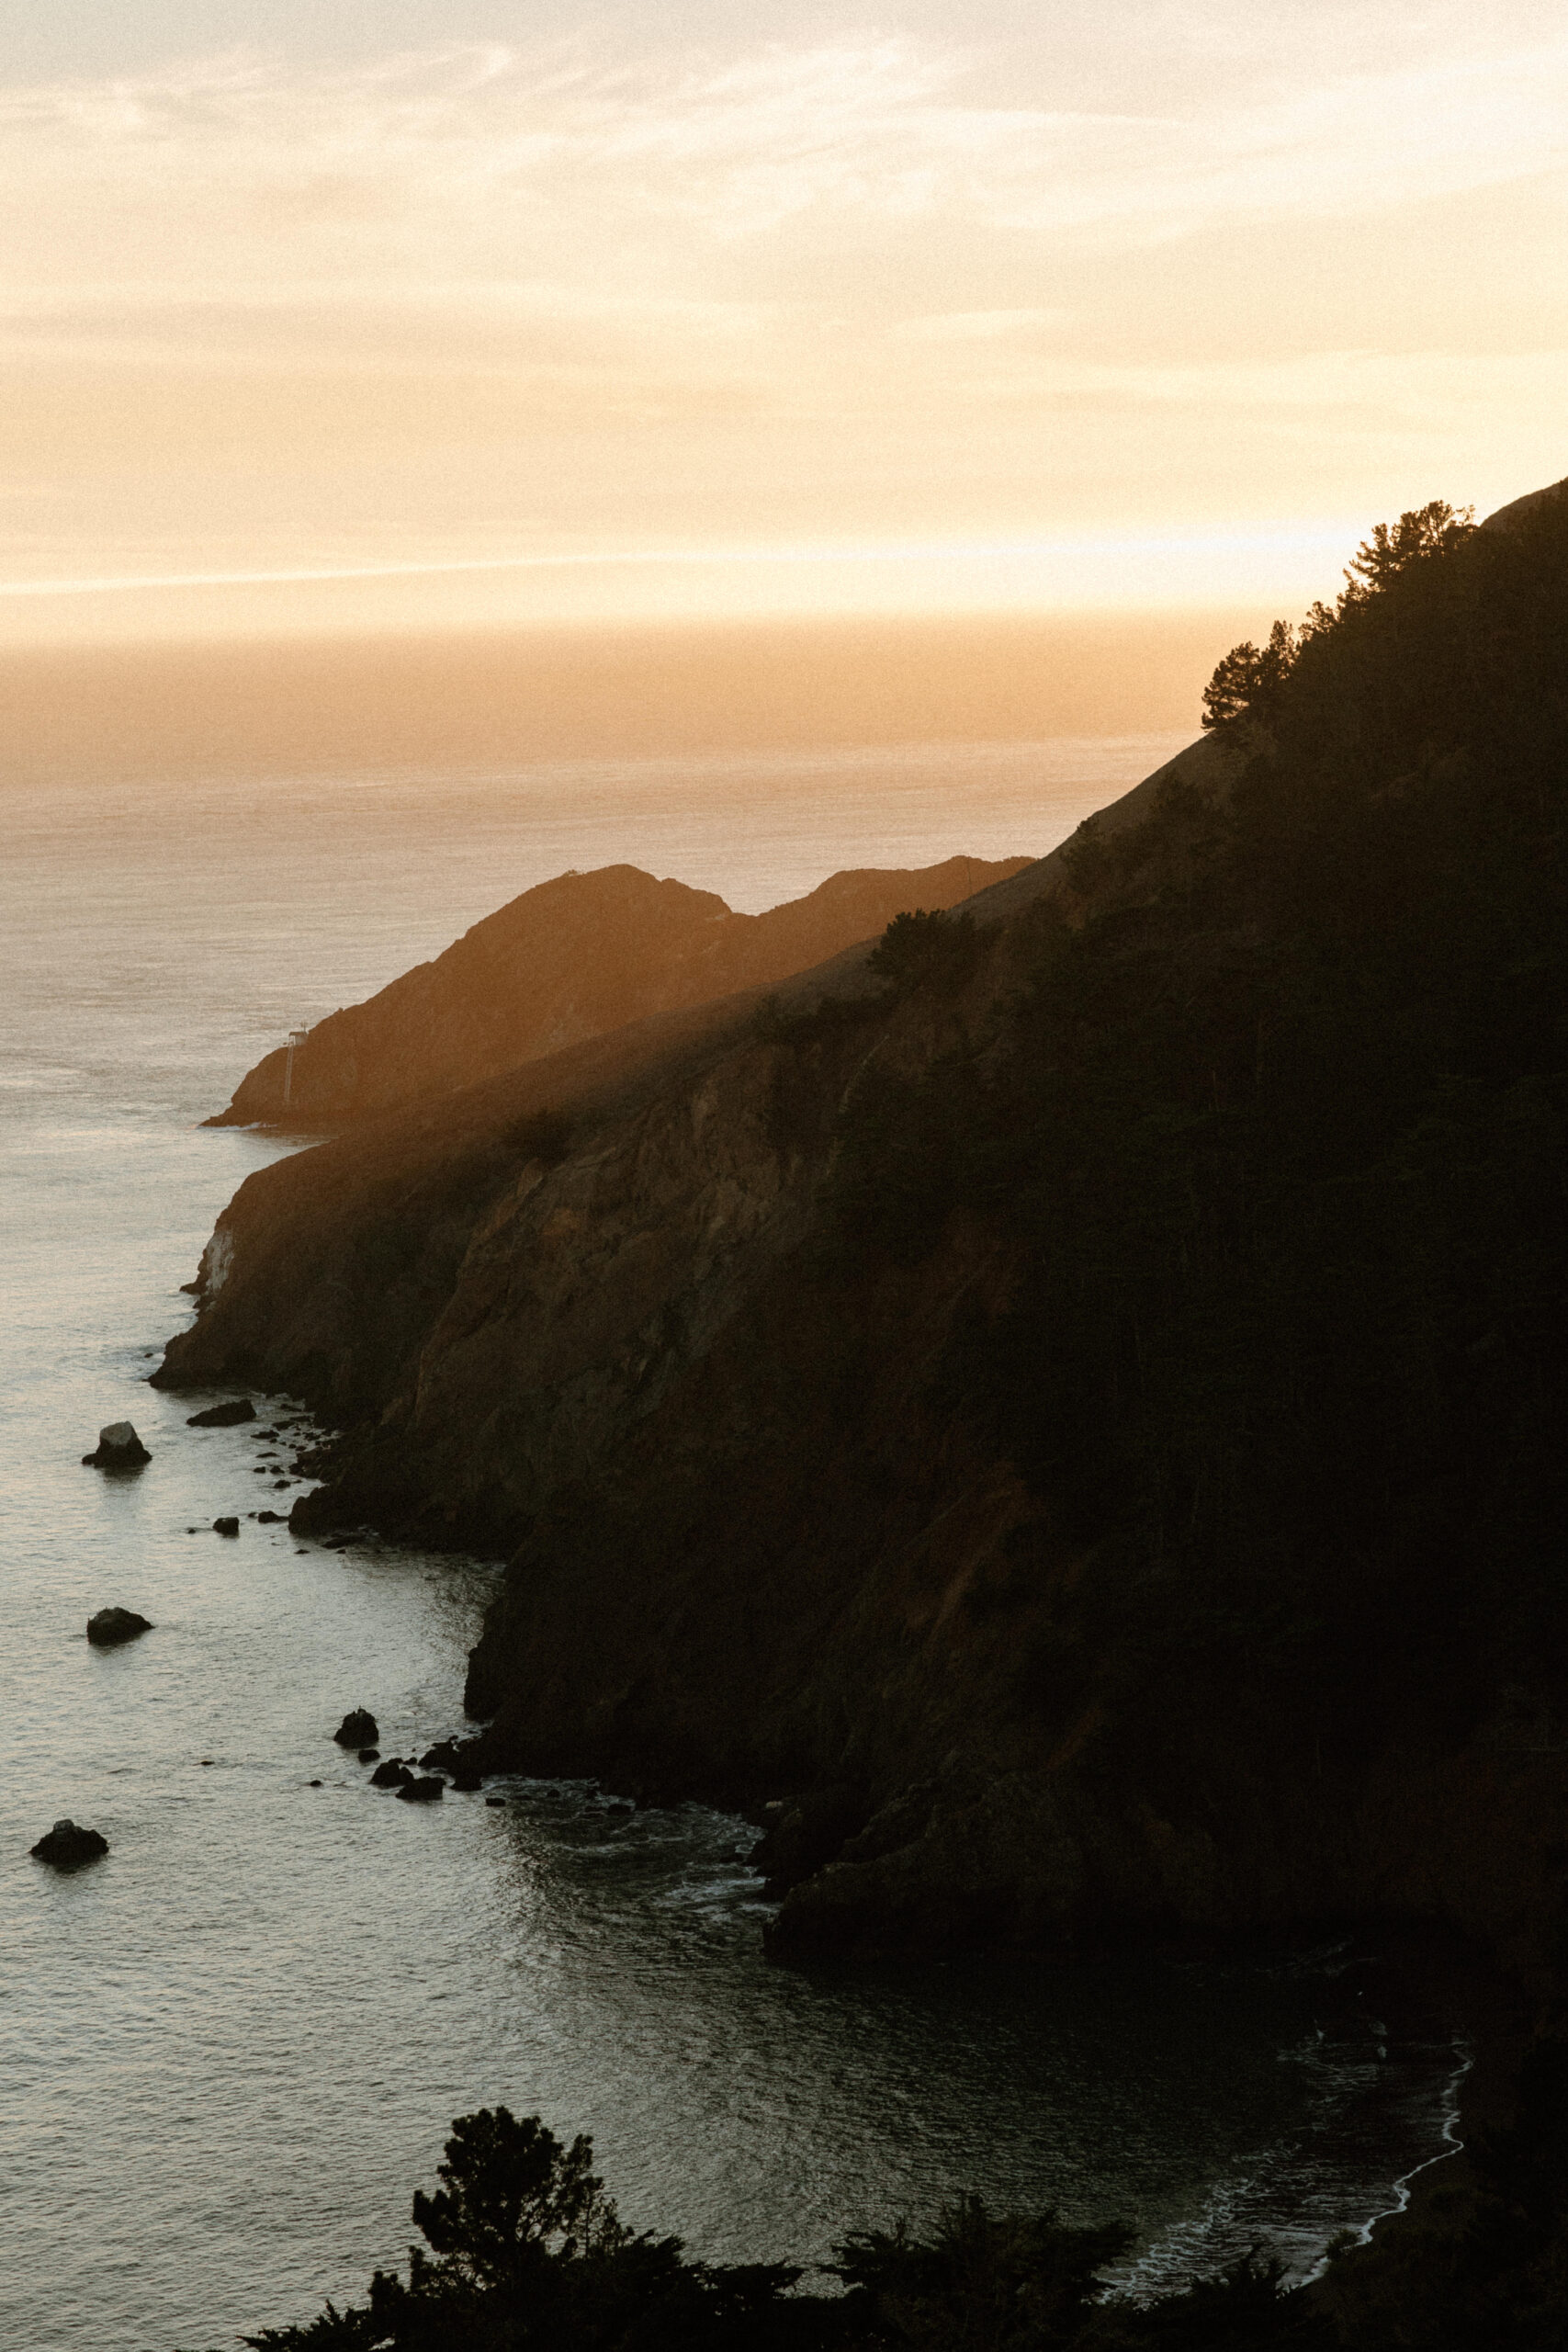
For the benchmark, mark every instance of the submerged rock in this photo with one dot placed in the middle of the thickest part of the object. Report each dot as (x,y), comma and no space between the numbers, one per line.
(67,1847)
(418,1792)
(110,1627)
(118,1448)
(223,1416)
(358,1729)
(370,1756)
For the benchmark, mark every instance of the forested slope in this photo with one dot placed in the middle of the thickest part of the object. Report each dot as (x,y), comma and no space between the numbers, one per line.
(1073,1412)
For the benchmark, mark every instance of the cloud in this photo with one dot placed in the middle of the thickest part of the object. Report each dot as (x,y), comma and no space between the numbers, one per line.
(517,142)
(491,192)
(493,296)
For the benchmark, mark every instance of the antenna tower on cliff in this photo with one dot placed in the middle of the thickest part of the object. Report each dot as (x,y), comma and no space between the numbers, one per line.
(296,1039)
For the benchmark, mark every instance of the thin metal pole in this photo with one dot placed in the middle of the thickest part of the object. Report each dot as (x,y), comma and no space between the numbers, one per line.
(295,1038)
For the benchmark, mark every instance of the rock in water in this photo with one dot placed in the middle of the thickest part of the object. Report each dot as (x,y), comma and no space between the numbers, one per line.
(112,1625)
(118,1448)
(67,1847)
(422,1791)
(393,1774)
(358,1729)
(225,1527)
(223,1416)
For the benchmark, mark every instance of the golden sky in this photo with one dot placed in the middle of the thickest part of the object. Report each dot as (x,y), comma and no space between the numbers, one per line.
(432,315)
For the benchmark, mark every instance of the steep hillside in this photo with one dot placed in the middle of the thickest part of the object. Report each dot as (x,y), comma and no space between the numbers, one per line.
(1069,1405)
(579,955)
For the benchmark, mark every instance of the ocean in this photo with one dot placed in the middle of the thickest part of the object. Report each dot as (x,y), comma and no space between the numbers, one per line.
(229,2050)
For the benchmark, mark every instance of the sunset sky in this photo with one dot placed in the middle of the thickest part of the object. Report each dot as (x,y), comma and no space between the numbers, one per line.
(327,314)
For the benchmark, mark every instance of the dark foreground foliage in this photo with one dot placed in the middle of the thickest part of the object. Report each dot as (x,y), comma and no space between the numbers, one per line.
(525,2250)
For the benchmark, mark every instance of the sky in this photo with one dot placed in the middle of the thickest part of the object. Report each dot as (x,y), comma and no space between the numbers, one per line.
(373,314)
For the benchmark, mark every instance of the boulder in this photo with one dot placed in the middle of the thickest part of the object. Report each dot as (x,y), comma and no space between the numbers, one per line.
(358,1729)
(393,1774)
(418,1792)
(225,1527)
(68,1846)
(269,1519)
(223,1416)
(370,1756)
(110,1627)
(118,1448)
(467,1781)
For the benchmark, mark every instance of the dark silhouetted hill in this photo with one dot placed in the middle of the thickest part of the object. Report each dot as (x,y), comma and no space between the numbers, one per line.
(1070,1408)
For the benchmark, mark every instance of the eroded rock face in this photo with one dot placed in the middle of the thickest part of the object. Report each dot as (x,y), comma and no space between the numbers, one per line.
(67,1847)
(757,1554)
(118,1448)
(109,1627)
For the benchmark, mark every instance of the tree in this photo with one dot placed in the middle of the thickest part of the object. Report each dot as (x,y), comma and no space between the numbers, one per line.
(930,950)
(1422,532)
(1015,2283)
(1247,682)
(513,2194)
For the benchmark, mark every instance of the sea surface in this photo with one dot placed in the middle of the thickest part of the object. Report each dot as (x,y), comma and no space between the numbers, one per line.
(229,2050)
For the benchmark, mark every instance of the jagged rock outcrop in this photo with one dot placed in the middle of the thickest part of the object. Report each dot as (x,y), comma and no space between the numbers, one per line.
(566,961)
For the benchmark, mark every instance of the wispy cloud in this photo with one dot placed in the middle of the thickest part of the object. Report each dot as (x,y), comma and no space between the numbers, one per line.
(559,299)
(885,129)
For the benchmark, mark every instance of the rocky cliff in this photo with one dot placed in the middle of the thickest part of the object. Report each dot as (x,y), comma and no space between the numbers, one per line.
(578,955)
(1058,1410)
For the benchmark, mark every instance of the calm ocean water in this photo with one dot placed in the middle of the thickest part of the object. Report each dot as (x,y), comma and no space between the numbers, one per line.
(229,2052)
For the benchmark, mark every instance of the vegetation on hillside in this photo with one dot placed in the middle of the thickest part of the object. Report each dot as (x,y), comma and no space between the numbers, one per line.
(526,2251)
(1270,1141)
(1274,1136)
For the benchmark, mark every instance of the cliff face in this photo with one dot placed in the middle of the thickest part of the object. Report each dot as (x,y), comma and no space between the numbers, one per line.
(579,955)
(1070,1420)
